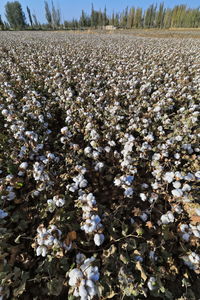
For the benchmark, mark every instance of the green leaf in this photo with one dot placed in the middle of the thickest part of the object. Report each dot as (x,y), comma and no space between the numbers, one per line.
(20,290)
(55,286)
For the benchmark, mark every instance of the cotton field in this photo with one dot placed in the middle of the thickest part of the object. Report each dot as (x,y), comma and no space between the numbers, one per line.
(99,166)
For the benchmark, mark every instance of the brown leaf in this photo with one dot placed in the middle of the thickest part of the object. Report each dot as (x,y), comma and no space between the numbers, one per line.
(71,236)
(140,268)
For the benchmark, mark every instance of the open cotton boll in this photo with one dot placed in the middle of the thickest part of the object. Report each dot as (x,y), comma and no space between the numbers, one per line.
(177,192)
(197,210)
(144,217)
(143,197)
(3,214)
(176,184)
(23,166)
(11,196)
(186,188)
(167,218)
(5,112)
(80,258)
(98,239)
(186,236)
(194,258)
(91,288)
(74,276)
(60,202)
(128,192)
(92,273)
(83,293)
(41,250)
(169,176)
(83,183)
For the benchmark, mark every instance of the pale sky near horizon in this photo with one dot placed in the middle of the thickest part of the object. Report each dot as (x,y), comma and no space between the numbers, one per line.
(72,9)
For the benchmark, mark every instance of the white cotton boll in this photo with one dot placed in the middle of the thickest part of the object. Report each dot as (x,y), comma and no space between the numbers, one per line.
(99,166)
(152,283)
(63,139)
(155,185)
(156,156)
(87,150)
(96,219)
(94,144)
(99,239)
(128,192)
(197,210)
(169,176)
(107,149)
(3,214)
(186,188)
(196,233)
(176,184)
(144,217)
(20,173)
(64,130)
(5,112)
(197,175)
(178,209)
(167,218)
(194,258)
(90,197)
(75,275)
(128,179)
(143,197)
(90,284)
(184,227)
(95,154)
(177,192)
(117,182)
(11,196)
(41,250)
(49,241)
(186,236)
(40,240)
(189,177)
(92,273)
(80,258)
(86,228)
(23,166)
(177,156)
(76,292)
(149,137)
(92,291)
(144,186)
(83,293)
(60,202)
(83,183)
(72,188)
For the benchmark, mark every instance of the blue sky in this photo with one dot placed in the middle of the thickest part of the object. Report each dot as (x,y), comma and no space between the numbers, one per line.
(72,8)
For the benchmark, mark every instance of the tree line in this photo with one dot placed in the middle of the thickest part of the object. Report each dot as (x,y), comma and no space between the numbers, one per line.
(155,16)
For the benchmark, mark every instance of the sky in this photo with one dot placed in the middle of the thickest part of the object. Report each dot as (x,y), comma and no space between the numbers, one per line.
(72,8)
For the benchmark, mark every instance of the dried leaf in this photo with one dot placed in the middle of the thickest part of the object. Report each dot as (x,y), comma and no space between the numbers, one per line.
(140,268)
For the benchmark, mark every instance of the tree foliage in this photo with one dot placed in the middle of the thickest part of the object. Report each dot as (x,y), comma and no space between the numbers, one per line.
(15,15)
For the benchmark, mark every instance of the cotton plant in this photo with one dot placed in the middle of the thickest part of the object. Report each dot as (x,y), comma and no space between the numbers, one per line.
(91,221)
(125,182)
(83,279)
(48,241)
(56,201)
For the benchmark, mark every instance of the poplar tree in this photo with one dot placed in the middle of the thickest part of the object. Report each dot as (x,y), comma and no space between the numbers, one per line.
(15,15)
